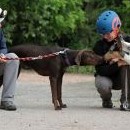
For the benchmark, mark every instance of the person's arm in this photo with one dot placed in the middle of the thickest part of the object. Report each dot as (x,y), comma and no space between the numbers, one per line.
(105,69)
(3,47)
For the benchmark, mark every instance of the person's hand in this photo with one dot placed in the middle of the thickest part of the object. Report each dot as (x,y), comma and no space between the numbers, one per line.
(2,60)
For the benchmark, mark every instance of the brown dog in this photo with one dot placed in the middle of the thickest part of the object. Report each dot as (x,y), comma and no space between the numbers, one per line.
(55,66)
(115,56)
(112,55)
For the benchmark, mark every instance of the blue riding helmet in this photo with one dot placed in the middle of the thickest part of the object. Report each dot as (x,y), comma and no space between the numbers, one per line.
(107,22)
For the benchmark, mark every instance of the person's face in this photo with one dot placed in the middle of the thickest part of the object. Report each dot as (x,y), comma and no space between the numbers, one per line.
(111,36)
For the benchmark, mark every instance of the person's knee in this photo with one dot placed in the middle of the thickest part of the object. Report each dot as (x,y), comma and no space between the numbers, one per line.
(103,84)
(13,56)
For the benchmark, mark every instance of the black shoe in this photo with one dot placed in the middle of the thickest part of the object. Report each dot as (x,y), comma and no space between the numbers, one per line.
(107,104)
(125,107)
(8,105)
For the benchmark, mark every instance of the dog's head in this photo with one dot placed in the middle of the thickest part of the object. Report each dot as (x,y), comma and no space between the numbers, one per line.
(85,57)
(112,55)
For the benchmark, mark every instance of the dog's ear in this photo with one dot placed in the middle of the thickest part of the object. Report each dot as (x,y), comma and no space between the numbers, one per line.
(78,57)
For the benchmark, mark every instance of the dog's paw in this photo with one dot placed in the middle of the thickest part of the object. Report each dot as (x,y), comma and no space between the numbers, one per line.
(63,106)
(58,108)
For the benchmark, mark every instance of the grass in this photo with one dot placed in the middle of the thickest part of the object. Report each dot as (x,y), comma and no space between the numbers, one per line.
(81,69)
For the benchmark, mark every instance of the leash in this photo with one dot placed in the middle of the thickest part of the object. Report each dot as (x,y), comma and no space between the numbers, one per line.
(34,58)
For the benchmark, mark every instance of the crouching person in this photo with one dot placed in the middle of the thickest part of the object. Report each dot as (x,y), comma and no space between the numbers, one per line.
(111,74)
(8,71)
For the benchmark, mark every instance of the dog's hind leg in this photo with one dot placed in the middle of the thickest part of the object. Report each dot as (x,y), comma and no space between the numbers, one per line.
(53,84)
(59,90)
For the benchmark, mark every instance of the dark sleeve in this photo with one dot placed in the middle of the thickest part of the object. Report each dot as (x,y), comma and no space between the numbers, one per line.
(105,69)
(3,47)
(98,48)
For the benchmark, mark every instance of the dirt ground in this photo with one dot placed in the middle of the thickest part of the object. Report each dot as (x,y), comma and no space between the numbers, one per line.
(35,109)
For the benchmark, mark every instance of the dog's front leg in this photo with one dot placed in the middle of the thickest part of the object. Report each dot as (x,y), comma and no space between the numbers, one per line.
(53,84)
(59,90)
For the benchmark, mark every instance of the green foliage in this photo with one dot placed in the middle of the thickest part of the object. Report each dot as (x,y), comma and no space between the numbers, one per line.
(42,21)
(124,14)
(66,23)
(81,69)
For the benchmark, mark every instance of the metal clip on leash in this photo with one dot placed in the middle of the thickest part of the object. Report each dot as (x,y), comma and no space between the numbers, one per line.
(37,58)
(61,52)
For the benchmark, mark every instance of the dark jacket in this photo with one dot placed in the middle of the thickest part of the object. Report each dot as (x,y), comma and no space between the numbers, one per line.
(3,47)
(105,69)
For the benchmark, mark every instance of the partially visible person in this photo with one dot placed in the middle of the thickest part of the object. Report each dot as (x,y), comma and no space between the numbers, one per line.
(8,71)
(111,74)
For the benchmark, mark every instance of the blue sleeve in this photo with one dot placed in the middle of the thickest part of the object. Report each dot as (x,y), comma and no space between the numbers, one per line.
(3,47)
